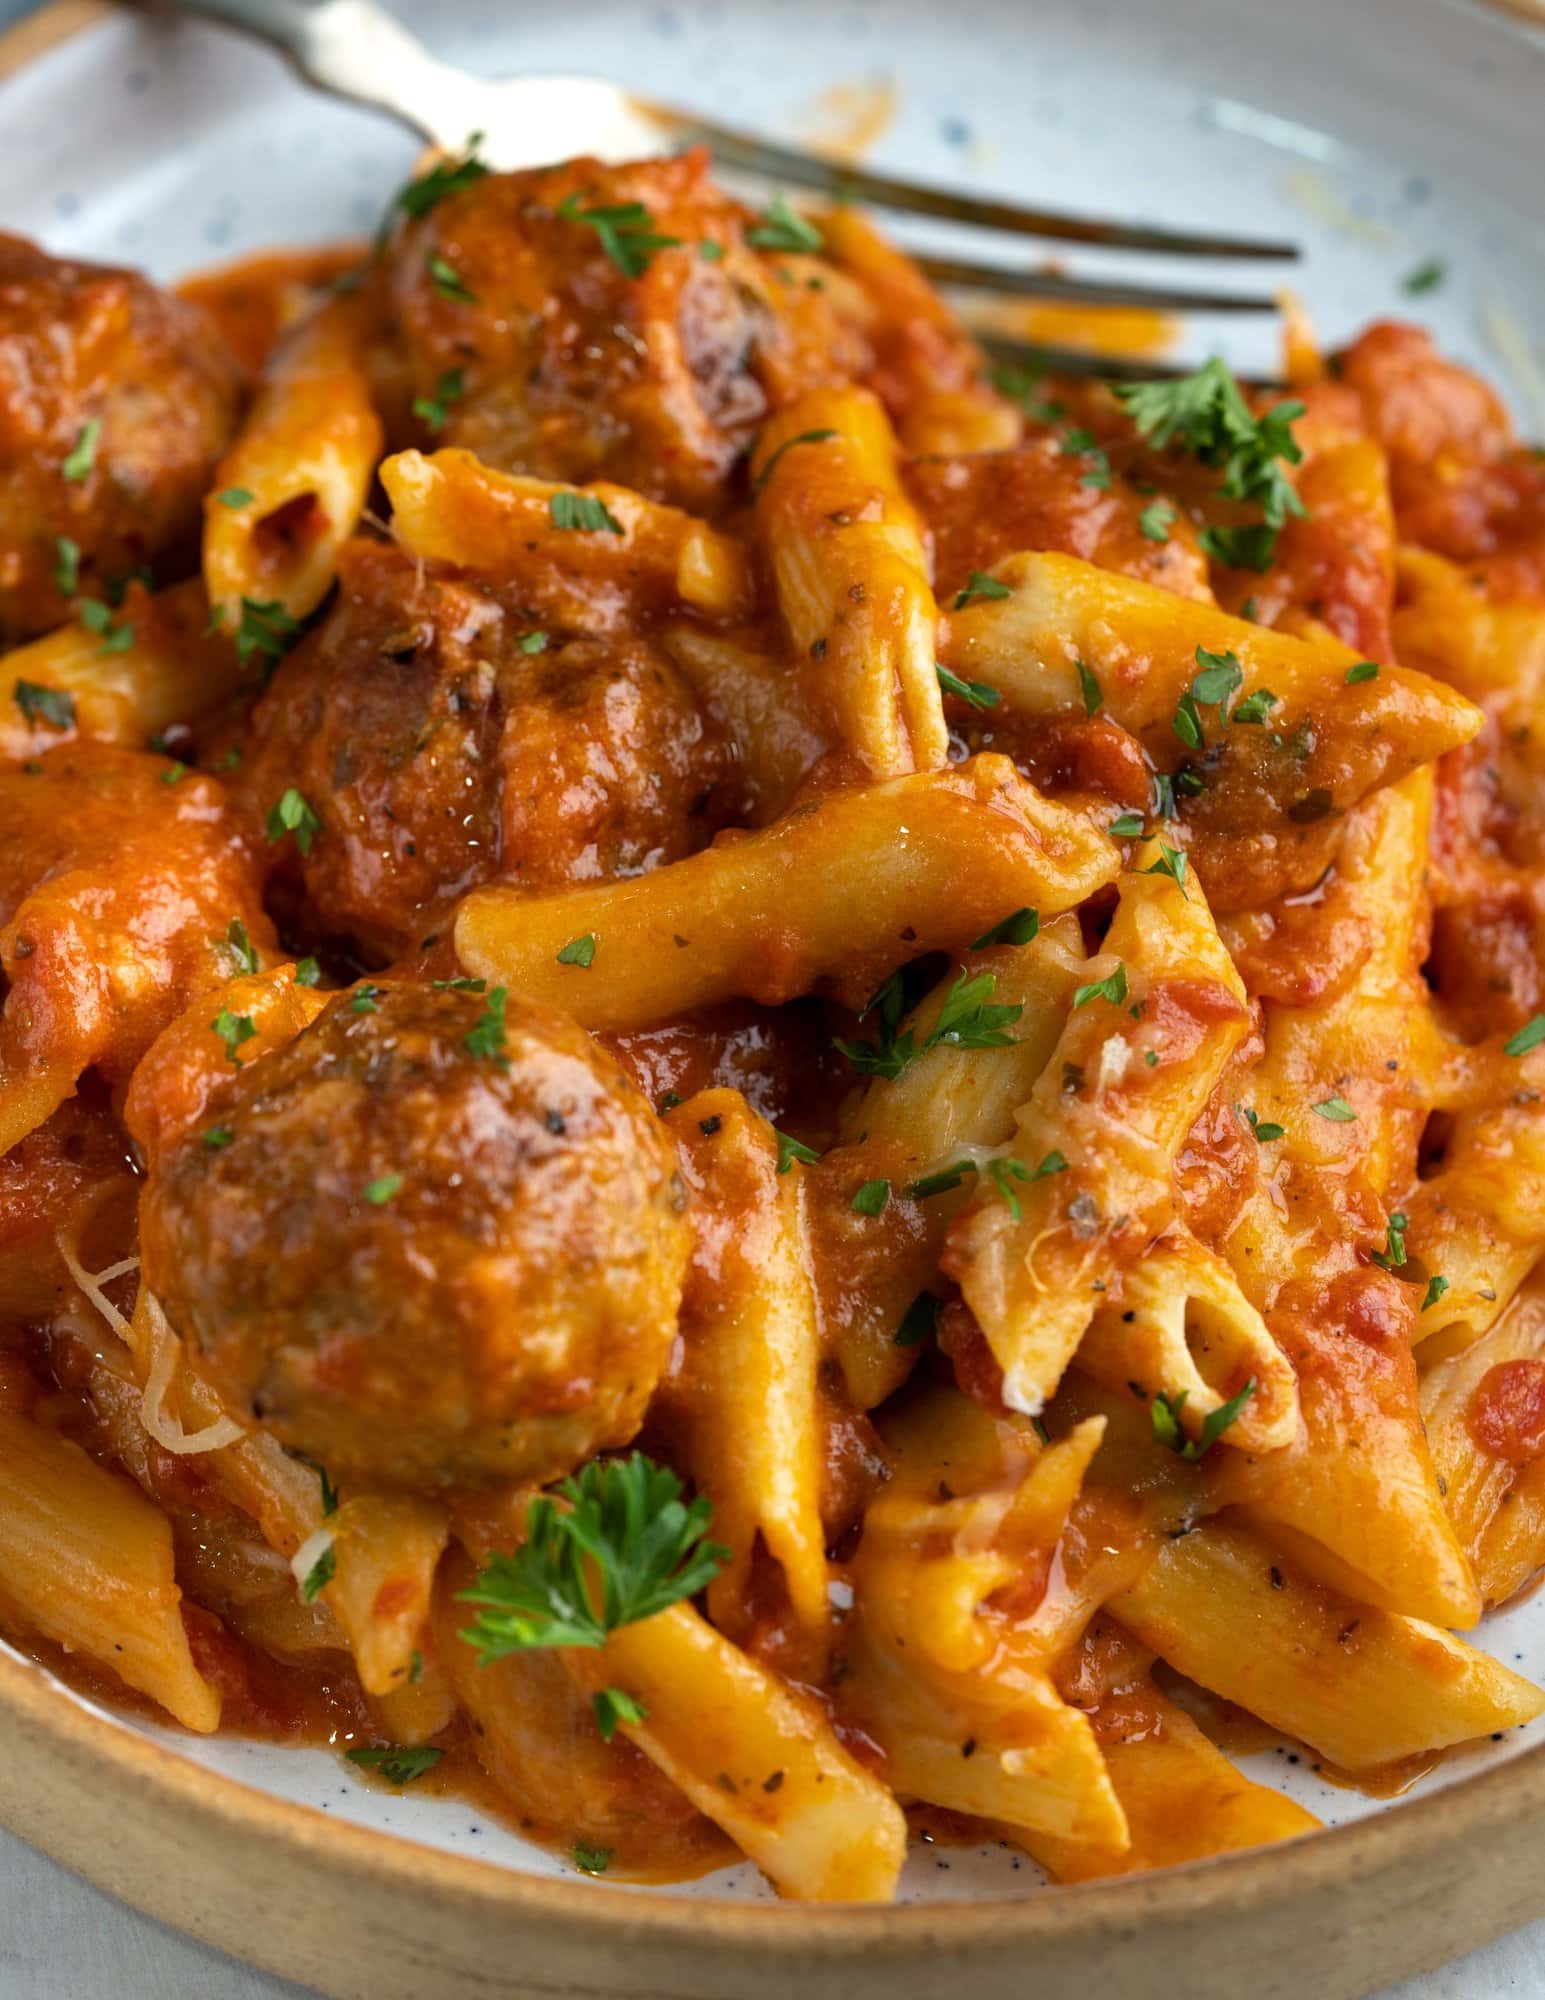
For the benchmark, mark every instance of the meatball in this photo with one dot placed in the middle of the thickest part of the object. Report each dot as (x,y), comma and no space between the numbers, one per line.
(583,352)
(438,752)
(443,1243)
(116,401)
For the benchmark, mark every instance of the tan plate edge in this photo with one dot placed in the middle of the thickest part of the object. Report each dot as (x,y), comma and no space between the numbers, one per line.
(358,1912)
(366,1916)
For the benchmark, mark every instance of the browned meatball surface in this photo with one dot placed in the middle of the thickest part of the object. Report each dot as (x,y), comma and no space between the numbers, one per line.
(116,400)
(443,1242)
(437,752)
(583,349)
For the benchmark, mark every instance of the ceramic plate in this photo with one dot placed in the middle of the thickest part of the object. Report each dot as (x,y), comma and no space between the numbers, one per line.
(1383,137)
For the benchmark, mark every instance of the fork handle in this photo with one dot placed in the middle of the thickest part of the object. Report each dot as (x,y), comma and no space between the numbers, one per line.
(356,50)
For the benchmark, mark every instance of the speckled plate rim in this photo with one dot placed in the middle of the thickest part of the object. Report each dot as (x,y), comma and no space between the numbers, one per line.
(358,1912)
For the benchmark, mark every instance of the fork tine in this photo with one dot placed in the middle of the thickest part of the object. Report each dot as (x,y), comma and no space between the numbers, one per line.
(1087,291)
(830,177)
(1083,362)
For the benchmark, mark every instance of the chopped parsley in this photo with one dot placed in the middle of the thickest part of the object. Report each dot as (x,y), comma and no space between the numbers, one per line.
(399,1765)
(1337,1110)
(77,467)
(1206,414)
(308,973)
(97,617)
(446,177)
(625,231)
(999,1171)
(380,1191)
(448,283)
(590,1860)
(1528,1037)
(1220,675)
(320,1575)
(66,565)
(1171,862)
(626,1528)
(1426,277)
(266,629)
(1018,928)
(981,586)
(1393,1255)
(485,1038)
(293,814)
(532,642)
(1365,670)
(1089,688)
(1264,1130)
(233,1030)
(1021,384)
(1113,989)
(462,984)
(218,1137)
(236,496)
(788,444)
(174,773)
(783,228)
(790,1150)
(579,951)
(433,412)
(1255,707)
(584,512)
(1127,826)
(613,1706)
(1165,1415)
(45,704)
(1436,1287)
(871,1198)
(1156,520)
(918,1321)
(968,1020)
(240,945)
(977,693)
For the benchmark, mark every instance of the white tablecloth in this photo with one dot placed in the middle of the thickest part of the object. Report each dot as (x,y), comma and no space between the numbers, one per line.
(60,1940)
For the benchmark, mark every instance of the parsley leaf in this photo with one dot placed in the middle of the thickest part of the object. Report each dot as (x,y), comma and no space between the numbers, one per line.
(399,1765)
(918,1321)
(218,1137)
(1220,675)
(240,945)
(320,1575)
(293,814)
(1364,670)
(981,586)
(45,704)
(1263,1129)
(1126,826)
(1165,1416)
(233,1030)
(1156,520)
(1393,1255)
(308,973)
(1113,989)
(1171,862)
(613,1706)
(1337,1110)
(579,951)
(584,512)
(98,618)
(590,1860)
(1089,687)
(977,693)
(434,411)
(871,1198)
(1206,413)
(532,642)
(380,1191)
(625,231)
(236,496)
(448,283)
(77,467)
(790,1150)
(782,228)
(1426,277)
(1018,928)
(66,565)
(485,1038)
(1528,1037)
(626,1522)
(446,177)
(1436,1287)
(1255,707)
(788,444)
(265,628)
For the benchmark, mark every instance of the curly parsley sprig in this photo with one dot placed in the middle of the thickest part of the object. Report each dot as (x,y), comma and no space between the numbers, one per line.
(625,1530)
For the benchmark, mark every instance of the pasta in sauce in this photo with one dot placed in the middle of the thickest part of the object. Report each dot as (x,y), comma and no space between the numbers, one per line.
(754,1087)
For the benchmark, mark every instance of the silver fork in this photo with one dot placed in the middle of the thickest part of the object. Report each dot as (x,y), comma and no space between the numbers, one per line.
(356,50)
